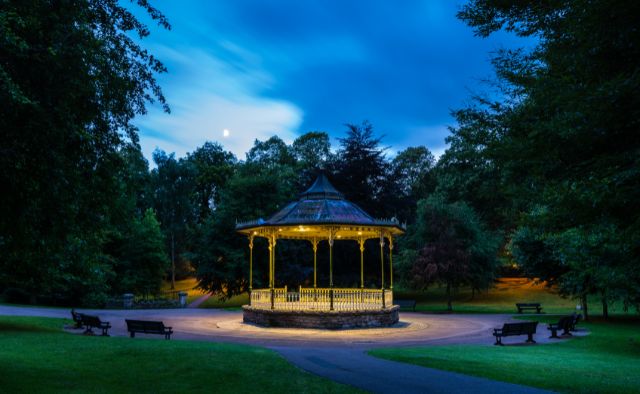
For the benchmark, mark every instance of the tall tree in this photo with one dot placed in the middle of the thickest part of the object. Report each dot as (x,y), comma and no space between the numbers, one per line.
(140,258)
(361,168)
(174,186)
(72,77)
(312,152)
(449,245)
(220,253)
(412,177)
(213,166)
(564,133)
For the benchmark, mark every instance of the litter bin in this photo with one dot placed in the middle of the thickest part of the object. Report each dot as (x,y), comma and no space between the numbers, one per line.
(127,301)
(182,298)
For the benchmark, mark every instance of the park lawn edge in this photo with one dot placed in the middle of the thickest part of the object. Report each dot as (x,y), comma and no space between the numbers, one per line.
(37,356)
(605,361)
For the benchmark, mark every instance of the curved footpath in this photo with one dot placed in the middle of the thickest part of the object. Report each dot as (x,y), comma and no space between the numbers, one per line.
(337,355)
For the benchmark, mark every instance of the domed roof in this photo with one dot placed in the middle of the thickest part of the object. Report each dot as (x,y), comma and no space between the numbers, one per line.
(320,204)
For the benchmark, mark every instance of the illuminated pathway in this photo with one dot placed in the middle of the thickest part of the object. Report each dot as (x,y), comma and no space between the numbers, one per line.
(338,355)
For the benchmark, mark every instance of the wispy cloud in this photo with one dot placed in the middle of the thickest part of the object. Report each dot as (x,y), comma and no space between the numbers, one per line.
(211,93)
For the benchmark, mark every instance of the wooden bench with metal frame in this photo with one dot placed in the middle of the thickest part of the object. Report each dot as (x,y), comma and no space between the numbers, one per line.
(515,329)
(148,327)
(90,322)
(529,305)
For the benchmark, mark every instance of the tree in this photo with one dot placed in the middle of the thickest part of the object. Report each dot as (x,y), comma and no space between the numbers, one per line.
(270,153)
(140,257)
(448,245)
(360,169)
(72,78)
(563,133)
(312,152)
(220,255)
(213,167)
(174,186)
(412,176)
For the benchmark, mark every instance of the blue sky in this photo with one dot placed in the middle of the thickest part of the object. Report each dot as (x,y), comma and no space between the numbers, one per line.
(285,67)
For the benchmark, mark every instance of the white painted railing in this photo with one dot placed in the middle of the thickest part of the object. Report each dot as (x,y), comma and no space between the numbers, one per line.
(322,299)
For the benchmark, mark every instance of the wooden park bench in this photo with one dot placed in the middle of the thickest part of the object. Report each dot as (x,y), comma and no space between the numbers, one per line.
(529,305)
(406,304)
(566,324)
(514,329)
(575,318)
(90,322)
(148,327)
(77,318)
(563,324)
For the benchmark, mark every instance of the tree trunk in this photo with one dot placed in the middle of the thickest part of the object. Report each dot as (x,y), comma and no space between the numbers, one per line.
(585,307)
(449,308)
(605,307)
(173,262)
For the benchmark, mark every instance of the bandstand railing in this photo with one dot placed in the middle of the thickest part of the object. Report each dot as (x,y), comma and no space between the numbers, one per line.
(322,299)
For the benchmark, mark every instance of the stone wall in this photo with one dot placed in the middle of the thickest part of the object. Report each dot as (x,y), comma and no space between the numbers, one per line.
(324,319)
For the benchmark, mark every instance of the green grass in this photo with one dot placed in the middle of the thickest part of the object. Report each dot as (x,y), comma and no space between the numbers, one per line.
(187,285)
(36,356)
(605,361)
(499,299)
(234,302)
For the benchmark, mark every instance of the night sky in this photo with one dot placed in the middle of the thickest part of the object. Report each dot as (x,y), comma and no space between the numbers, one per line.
(263,68)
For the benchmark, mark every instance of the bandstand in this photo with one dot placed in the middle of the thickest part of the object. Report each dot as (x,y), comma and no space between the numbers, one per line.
(322,214)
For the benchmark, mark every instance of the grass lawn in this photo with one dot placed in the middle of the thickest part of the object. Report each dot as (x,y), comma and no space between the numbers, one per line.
(36,356)
(499,299)
(186,285)
(606,361)
(233,302)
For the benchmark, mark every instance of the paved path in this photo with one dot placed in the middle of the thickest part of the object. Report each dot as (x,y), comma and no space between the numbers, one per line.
(355,367)
(196,303)
(338,355)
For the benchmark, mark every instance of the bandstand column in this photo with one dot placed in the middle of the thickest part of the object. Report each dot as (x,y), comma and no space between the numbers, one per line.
(273,261)
(382,265)
(331,234)
(314,242)
(382,259)
(361,242)
(390,262)
(250,264)
(272,248)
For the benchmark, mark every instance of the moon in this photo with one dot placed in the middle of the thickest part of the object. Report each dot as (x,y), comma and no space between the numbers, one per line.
(225,132)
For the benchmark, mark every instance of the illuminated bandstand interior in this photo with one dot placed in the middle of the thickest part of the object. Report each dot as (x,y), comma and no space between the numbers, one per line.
(322,214)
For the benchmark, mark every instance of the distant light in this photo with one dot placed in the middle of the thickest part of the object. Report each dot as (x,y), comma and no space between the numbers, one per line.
(225,132)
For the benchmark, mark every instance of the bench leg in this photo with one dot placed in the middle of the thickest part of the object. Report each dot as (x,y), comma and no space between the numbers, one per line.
(105,332)
(554,333)
(132,334)
(498,341)
(530,338)
(566,333)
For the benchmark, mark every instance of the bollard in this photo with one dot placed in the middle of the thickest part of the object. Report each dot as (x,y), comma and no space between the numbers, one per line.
(127,301)
(182,298)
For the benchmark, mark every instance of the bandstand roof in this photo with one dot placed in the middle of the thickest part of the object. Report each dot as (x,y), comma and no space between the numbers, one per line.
(318,210)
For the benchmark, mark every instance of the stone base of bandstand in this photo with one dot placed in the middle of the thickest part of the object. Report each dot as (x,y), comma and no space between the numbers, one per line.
(321,319)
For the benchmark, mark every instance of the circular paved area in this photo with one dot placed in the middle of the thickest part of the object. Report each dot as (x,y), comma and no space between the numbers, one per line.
(227,326)
(339,355)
